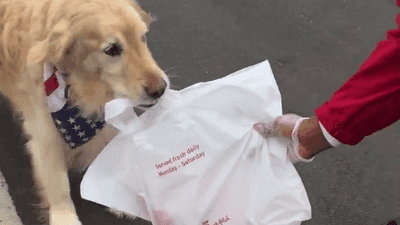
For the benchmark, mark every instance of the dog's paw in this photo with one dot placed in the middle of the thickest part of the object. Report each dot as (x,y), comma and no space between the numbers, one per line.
(64,220)
(63,217)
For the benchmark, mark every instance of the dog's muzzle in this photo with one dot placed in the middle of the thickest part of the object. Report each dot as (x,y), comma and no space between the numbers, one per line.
(158,92)
(152,96)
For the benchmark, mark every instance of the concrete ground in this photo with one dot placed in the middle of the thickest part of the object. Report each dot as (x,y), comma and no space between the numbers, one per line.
(313,46)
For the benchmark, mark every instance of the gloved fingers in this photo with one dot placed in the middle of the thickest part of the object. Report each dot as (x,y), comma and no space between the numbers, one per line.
(267,129)
(281,125)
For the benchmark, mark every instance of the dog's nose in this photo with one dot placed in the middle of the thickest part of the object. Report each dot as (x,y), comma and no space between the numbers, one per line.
(156,92)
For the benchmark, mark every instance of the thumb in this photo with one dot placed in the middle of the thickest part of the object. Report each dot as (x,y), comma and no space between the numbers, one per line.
(286,124)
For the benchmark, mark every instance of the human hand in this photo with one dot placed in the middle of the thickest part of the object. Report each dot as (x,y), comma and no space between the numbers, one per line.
(286,126)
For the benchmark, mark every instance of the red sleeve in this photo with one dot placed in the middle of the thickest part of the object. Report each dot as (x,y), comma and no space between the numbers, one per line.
(370,100)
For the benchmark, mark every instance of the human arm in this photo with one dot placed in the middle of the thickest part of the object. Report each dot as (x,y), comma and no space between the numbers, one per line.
(368,102)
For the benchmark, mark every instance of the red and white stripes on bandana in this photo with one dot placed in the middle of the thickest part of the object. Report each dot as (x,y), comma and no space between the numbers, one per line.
(55,88)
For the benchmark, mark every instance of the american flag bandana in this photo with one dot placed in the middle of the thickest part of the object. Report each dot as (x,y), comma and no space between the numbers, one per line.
(75,129)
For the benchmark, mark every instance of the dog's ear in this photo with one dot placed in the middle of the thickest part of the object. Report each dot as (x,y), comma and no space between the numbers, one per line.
(53,47)
(146,16)
(64,41)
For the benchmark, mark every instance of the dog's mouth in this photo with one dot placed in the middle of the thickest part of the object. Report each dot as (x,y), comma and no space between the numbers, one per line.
(146,106)
(140,109)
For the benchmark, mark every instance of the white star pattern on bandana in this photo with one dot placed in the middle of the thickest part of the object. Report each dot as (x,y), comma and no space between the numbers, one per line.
(71,121)
(58,122)
(76,130)
(81,134)
(76,127)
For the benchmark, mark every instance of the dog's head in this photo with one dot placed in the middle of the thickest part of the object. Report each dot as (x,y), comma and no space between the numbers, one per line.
(101,48)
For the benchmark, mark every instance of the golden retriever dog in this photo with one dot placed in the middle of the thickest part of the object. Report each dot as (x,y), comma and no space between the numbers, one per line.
(100,48)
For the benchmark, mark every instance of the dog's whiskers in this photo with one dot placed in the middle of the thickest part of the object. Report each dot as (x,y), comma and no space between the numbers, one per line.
(174,87)
(169,69)
(170,75)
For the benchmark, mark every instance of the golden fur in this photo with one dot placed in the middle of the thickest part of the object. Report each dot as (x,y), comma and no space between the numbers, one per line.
(72,35)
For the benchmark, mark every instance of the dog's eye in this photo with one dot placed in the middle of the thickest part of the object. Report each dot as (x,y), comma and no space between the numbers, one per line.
(113,50)
(144,39)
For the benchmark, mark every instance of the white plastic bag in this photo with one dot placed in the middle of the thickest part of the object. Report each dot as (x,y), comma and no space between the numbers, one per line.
(195,159)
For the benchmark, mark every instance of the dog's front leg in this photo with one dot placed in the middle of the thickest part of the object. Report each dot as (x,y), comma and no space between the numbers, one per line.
(48,160)
(49,167)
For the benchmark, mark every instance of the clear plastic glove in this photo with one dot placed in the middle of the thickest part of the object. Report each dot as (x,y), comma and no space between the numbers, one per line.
(286,126)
